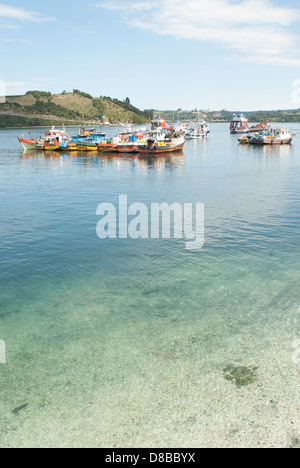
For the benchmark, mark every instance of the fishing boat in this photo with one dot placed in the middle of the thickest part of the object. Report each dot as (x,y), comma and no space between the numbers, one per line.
(159,145)
(245,140)
(162,139)
(258,128)
(239,124)
(273,137)
(28,144)
(201,130)
(132,144)
(88,139)
(154,147)
(51,140)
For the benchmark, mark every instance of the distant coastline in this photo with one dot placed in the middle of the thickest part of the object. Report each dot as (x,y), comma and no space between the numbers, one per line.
(42,109)
(278,116)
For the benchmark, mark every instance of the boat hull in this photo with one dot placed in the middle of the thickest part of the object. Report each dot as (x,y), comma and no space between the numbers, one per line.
(68,148)
(161,150)
(272,142)
(128,149)
(50,147)
(86,148)
(27,144)
(239,132)
(107,148)
(195,137)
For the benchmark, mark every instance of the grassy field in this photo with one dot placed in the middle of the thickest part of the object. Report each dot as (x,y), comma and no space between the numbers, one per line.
(42,108)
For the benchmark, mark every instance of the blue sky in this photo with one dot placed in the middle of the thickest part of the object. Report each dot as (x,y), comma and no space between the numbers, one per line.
(164,54)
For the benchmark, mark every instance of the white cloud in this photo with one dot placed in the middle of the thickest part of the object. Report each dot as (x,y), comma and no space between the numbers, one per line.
(257,30)
(21,87)
(8,26)
(20,14)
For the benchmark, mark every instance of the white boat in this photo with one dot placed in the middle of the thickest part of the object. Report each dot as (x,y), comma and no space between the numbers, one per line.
(239,124)
(201,130)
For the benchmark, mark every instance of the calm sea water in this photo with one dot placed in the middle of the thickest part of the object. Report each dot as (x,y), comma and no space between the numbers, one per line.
(127,343)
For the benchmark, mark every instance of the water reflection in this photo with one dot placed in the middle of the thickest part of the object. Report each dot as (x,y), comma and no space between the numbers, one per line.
(174,161)
(266,151)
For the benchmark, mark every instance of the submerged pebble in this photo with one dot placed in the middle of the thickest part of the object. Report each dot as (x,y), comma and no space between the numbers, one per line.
(241,376)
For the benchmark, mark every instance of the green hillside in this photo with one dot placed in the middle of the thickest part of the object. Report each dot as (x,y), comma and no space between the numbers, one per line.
(38,108)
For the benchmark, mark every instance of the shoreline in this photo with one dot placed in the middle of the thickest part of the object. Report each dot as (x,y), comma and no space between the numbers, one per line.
(116,125)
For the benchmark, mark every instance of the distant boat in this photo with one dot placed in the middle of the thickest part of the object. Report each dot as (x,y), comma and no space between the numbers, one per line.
(258,128)
(239,124)
(201,130)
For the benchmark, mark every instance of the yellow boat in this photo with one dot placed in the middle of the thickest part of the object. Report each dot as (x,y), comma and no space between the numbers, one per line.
(86,148)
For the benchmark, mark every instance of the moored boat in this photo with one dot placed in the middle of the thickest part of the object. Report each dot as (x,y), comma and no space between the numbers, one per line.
(154,146)
(239,124)
(48,141)
(87,140)
(201,130)
(132,144)
(245,140)
(275,137)
(258,128)
(162,139)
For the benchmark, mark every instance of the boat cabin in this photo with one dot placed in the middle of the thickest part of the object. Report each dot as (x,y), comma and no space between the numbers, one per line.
(239,124)
(158,124)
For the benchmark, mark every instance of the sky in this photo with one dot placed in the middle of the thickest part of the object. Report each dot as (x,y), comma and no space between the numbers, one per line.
(163,54)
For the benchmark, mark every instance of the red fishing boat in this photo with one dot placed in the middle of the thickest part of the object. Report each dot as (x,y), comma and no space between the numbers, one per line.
(258,128)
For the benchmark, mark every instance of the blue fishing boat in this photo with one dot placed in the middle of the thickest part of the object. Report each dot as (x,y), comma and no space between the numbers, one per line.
(87,140)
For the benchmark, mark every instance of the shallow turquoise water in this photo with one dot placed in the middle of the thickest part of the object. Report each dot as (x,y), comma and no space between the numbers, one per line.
(124,342)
